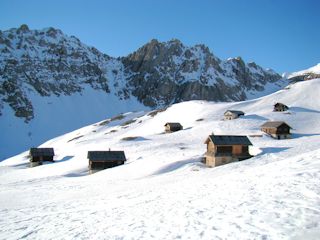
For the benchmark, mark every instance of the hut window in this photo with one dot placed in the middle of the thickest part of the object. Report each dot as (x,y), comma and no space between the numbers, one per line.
(224,149)
(245,149)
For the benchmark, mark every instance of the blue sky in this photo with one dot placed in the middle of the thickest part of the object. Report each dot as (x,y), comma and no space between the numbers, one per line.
(280,34)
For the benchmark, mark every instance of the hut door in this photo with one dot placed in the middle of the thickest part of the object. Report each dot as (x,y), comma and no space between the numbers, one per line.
(237,149)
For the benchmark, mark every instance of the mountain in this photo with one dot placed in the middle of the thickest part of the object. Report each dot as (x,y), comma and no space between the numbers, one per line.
(51,83)
(165,73)
(308,74)
(163,191)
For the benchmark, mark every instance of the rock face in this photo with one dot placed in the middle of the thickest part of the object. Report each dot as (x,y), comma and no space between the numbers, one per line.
(47,62)
(164,73)
(305,76)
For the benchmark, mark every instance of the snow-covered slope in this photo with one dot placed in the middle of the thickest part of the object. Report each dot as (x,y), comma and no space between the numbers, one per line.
(307,74)
(163,191)
(315,69)
(55,115)
(48,75)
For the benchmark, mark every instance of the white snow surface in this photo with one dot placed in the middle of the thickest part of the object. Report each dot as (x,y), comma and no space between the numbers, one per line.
(56,114)
(163,191)
(315,69)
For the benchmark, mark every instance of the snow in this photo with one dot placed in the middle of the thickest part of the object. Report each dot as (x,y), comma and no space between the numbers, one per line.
(268,89)
(55,115)
(315,69)
(163,191)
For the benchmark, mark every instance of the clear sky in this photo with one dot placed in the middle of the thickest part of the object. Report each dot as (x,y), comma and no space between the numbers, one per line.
(280,34)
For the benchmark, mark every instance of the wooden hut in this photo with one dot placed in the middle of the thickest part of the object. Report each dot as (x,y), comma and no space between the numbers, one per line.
(280,107)
(277,129)
(99,160)
(41,154)
(223,149)
(172,127)
(232,114)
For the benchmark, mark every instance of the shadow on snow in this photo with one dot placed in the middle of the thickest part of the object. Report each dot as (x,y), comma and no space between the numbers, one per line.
(272,150)
(301,109)
(300,135)
(254,117)
(66,158)
(79,173)
(175,166)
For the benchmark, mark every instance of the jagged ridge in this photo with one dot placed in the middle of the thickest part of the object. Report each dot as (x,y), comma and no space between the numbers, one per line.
(48,62)
(165,73)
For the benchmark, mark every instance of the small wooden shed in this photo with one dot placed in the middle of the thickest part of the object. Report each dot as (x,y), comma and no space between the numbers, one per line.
(277,129)
(99,160)
(172,127)
(232,114)
(280,107)
(41,154)
(223,149)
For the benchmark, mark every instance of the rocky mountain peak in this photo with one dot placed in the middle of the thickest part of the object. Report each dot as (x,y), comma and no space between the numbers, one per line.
(23,28)
(253,65)
(168,72)
(48,62)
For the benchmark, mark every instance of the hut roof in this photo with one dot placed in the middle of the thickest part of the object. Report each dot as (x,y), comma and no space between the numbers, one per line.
(106,156)
(274,124)
(173,124)
(235,112)
(279,104)
(229,140)
(36,152)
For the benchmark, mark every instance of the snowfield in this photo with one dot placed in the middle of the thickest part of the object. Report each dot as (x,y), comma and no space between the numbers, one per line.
(163,191)
(315,70)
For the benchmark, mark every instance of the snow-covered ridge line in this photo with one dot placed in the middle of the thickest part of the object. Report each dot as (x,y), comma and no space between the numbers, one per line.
(315,69)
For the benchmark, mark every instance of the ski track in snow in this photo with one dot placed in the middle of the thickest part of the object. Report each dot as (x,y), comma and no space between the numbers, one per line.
(163,191)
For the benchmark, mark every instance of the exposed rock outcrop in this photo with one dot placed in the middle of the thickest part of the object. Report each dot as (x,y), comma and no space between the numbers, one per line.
(47,62)
(164,73)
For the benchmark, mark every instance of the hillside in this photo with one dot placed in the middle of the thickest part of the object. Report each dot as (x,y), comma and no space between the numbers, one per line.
(163,191)
(307,74)
(52,83)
